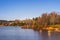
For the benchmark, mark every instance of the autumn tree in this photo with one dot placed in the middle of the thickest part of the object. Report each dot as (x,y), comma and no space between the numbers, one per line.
(52,18)
(44,19)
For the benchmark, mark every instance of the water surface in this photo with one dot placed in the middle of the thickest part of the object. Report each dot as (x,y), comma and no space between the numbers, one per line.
(17,33)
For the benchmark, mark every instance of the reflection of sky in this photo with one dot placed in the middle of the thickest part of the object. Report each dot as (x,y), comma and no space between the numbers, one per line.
(14,33)
(21,9)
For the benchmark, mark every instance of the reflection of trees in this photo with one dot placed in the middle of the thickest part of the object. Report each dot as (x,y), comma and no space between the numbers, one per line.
(44,35)
(49,33)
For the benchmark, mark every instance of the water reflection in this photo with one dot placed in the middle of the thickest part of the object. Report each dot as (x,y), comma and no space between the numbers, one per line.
(40,31)
(44,35)
(16,33)
(49,33)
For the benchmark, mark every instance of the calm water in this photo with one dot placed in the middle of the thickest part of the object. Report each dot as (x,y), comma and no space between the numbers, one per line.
(16,33)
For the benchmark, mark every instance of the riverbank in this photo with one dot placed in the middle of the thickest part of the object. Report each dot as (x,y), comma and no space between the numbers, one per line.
(49,27)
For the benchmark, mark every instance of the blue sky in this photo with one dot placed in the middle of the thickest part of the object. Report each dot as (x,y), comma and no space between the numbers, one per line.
(22,9)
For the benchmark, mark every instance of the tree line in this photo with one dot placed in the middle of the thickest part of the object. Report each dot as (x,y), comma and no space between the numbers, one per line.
(45,20)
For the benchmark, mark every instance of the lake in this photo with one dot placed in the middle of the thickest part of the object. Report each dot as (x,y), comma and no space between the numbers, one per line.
(17,33)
